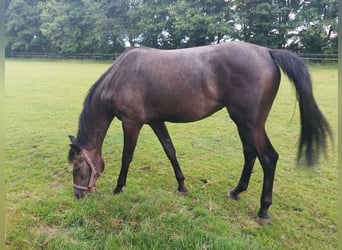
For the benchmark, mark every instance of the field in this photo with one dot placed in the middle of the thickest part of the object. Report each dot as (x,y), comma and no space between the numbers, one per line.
(43,100)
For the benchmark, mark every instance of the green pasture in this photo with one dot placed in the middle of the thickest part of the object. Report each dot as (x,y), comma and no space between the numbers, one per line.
(43,100)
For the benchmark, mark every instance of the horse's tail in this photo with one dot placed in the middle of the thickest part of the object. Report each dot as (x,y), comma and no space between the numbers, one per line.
(314,127)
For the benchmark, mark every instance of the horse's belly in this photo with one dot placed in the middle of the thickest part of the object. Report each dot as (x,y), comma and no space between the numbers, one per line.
(187,111)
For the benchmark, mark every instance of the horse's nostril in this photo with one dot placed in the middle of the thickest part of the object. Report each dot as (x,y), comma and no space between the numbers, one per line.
(77,196)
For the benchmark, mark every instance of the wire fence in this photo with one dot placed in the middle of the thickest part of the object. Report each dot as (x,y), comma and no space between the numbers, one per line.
(312,57)
(72,56)
(308,57)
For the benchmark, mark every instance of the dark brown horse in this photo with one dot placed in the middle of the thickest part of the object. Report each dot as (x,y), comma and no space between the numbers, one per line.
(150,86)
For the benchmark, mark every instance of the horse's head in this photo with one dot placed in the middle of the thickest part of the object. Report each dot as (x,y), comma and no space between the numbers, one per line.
(85,172)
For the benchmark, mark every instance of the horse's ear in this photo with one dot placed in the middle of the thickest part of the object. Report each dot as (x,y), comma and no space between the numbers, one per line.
(75,148)
(72,138)
(74,145)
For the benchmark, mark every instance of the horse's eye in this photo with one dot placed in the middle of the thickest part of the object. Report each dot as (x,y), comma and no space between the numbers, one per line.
(76,170)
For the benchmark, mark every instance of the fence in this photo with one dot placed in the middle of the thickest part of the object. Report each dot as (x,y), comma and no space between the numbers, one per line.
(309,57)
(74,56)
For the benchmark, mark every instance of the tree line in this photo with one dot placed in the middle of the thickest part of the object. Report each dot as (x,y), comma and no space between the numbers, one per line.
(109,26)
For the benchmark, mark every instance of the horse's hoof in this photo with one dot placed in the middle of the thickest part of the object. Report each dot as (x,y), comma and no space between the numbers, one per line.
(232,196)
(182,191)
(263,221)
(117,191)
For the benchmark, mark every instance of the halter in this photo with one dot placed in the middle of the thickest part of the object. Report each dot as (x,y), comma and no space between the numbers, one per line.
(91,185)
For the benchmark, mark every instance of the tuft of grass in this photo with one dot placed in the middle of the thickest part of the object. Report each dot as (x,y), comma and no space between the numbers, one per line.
(43,101)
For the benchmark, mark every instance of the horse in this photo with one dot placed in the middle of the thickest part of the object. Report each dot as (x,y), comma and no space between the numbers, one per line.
(151,86)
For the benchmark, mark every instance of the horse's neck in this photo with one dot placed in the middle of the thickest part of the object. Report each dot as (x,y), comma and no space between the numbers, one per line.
(92,131)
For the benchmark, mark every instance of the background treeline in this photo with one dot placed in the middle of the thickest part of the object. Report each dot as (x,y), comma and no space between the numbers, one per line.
(108,26)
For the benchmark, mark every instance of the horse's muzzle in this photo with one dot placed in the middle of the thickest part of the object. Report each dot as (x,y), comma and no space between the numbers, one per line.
(79,193)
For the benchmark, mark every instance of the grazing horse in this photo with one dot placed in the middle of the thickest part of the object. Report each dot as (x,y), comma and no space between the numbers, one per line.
(151,86)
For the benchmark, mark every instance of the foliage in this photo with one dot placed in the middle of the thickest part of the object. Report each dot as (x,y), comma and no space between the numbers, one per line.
(319,20)
(265,22)
(150,20)
(199,23)
(23,26)
(64,25)
(109,23)
(43,103)
(110,26)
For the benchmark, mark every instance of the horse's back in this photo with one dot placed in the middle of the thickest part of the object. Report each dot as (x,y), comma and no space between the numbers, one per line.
(190,84)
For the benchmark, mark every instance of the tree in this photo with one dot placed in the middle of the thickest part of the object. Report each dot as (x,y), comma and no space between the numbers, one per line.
(106,22)
(22,27)
(318,27)
(84,25)
(64,24)
(266,23)
(111,25)
(199,22)
(150,18)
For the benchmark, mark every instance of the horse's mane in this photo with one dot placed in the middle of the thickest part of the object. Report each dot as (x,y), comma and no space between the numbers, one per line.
(83,120)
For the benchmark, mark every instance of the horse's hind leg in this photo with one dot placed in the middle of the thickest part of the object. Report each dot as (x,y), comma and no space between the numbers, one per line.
(161,132)
(256,142)
(250,156)
(268,158)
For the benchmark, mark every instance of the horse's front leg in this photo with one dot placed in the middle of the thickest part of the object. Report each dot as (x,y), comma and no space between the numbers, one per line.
(131,132)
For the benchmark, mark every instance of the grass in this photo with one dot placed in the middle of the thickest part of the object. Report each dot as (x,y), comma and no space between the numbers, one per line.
(43,101)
